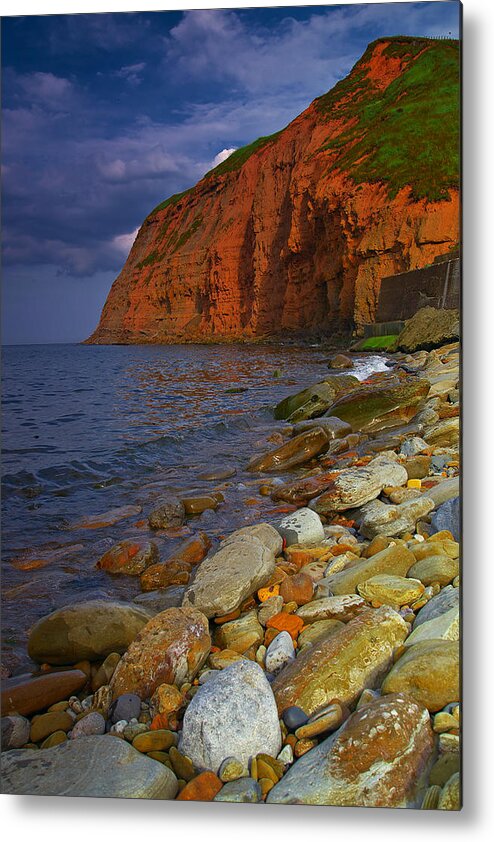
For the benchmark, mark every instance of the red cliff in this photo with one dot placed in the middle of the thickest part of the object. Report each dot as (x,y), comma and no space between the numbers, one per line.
(294,232)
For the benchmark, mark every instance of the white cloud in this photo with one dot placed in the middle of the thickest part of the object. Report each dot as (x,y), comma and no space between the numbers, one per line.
(222,156)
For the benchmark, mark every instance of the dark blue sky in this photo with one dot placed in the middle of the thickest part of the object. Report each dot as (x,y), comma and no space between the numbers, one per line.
(105,115)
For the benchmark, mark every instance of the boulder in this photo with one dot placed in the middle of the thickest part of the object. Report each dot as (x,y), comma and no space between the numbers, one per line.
(448,516)
(356,486)
(428,328)
(239,568)
(379,758)
(377,406)
(316,398)
(377,518)
(444,627)
(170,649)
(395,560)
(429,672)
(340,665)
(339,361)
(334,428)
(161,599)
(302,527)
(97,767)
(232,715)
(447,598)
(85,631)
(295,452)
(267,535)
(168,514)
(130,557)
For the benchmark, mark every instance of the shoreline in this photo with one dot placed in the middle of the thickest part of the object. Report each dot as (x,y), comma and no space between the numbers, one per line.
(311,567)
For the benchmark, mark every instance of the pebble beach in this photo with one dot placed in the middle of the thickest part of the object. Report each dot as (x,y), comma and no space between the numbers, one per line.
(308,658)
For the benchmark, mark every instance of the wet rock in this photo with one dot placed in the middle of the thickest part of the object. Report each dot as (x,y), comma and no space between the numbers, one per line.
(334,428)
(15,731)
(343,608)
(222,582)
(109,518)
(130,557)
(377,406)
(315,399)
(446,599)
(240,791)
(81,767)
(448,516)
(218,475)
(233,714)
(25,694)
(444,627)
(170,649)
(279,653)
(391,590)
(428,672)
(90,725)
(239,635)
(377,518)
(340,665)
(173,572)
(356,486)
(87,630)
(396,559)
(297,451)
(160,600)
(392,734)
(340,361)
(302,527)
(198,505)
(170,513)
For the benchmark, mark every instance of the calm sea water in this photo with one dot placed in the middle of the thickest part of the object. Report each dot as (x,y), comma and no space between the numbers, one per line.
(86,429)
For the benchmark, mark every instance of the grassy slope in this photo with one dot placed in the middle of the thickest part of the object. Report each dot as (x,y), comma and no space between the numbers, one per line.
(406,135)
(409,133)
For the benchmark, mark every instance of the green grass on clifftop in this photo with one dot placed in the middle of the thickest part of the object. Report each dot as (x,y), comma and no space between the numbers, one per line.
(238,158)
(407,134)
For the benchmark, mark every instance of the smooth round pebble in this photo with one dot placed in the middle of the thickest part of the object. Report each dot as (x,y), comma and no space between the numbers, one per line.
(91,725)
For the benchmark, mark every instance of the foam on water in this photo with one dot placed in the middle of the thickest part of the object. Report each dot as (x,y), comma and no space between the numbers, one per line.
(366,366)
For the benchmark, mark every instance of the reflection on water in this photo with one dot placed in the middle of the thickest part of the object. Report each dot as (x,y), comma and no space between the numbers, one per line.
(87,429)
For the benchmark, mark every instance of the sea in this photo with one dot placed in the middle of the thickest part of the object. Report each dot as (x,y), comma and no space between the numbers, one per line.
(90,429)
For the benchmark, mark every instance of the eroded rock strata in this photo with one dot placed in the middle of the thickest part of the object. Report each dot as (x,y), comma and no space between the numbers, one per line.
(295,232)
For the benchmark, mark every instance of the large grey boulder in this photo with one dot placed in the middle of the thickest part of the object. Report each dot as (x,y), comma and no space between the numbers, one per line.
(448,516)
(357,486)
(233,714)
(377,518)
(97,767)
(242,565)
(86,630)
(302,527)
(447,598)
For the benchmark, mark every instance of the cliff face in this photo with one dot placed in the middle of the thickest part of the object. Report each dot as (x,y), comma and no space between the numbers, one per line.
(294,232)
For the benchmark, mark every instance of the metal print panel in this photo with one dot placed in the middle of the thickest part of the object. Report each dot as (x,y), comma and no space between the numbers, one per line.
(231,396)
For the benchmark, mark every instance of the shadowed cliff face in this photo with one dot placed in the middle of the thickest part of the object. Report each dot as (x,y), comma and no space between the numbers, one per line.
(294,232)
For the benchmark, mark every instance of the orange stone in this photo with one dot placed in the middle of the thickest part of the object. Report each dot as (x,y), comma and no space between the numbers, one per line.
(264,593)
(225,618)
(202,788)
(286,622)
(159,722)
(164,574)
(298,588)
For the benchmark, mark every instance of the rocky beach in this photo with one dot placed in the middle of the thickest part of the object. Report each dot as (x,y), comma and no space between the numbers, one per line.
(309,657)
